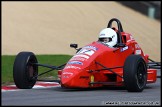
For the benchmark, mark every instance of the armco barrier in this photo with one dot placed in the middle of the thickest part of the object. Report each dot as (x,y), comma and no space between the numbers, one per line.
(150,8)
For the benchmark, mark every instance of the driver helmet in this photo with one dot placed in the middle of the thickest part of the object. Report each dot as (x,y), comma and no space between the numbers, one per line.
(108,36)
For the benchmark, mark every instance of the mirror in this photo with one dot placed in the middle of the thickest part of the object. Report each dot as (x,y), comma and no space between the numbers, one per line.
(74,46)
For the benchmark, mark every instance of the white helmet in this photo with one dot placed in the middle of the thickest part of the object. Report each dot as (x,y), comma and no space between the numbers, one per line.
(108,36)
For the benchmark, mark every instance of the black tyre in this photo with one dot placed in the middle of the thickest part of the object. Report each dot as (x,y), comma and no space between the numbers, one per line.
(24,70)
(135,73)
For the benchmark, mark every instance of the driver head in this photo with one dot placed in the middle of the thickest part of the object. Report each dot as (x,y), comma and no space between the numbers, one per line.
(108,36)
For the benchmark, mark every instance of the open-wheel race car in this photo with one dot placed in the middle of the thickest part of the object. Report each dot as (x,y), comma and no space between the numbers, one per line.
(95,65)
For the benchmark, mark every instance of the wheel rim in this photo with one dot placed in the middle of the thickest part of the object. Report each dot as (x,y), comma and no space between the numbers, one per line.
(31,70)
(141,75)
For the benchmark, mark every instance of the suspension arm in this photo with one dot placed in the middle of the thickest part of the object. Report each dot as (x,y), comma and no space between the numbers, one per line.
(48,66)
(108,69)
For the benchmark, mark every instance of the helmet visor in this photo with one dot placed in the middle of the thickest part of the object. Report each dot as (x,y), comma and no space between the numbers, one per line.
(105,40)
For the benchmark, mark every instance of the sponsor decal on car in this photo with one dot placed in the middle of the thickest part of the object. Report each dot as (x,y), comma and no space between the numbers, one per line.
(72,67)
(75,62)
(86,51)
(78,58)
(91,47)
(84,56)
(138,52)
(67,73)
(123,49)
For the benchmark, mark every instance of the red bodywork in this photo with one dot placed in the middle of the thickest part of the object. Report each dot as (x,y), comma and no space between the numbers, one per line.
(77,72)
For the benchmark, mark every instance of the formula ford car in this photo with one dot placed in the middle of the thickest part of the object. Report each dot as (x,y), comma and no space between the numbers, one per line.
(95,65)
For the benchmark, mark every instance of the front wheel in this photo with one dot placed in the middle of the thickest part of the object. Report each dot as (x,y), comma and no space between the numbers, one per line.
(135,73)
(24,70)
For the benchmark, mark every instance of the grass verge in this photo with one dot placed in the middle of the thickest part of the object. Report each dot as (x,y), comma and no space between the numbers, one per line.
(8,62)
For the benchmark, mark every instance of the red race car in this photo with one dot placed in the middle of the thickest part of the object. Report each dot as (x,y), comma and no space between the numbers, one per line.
(115,59)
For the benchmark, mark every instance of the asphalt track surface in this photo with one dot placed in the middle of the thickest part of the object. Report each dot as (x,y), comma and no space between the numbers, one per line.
(95,97)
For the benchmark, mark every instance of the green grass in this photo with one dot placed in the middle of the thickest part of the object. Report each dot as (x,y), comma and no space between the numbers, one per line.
(8,61)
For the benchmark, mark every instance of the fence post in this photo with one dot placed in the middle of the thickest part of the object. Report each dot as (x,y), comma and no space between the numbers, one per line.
(151,12)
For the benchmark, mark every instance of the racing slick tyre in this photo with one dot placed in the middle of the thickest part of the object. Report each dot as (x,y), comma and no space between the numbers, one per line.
(24,70)
(135,73)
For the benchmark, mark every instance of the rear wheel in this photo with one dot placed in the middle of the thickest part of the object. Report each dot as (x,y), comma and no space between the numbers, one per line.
(24,70)
(135,73)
